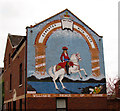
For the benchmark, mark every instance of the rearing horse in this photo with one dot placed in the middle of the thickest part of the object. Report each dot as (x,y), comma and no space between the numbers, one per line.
(75,58)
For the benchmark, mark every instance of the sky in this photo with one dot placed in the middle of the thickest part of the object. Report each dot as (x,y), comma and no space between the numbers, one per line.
(99,15)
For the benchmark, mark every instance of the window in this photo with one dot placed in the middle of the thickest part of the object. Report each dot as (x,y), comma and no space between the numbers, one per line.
(61,104)
(119,90)
(5,64)
(10,81)
(20,104)
(9,58)
(9,106)
(20,74)
(14,105)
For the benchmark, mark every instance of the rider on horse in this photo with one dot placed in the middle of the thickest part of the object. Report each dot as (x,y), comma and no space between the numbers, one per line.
(65,58)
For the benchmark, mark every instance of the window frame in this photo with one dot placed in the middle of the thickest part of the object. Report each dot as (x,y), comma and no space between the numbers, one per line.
(10,81)
(9,106)
(9,58)
(66,101)
(14,105)
(20,74)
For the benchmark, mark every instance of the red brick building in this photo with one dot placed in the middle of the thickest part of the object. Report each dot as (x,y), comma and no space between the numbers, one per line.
(1,88)
(14,72)
(21,94)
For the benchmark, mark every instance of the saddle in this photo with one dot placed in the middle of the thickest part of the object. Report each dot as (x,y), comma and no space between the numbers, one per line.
(63,64)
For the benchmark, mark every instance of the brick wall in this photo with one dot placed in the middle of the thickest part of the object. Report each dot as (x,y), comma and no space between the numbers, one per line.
(87,103)
(113,104)
(43,104)
(17,105)
(13,69)
(73,104)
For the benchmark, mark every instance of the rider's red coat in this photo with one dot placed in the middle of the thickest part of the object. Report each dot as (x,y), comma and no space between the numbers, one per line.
(64,56)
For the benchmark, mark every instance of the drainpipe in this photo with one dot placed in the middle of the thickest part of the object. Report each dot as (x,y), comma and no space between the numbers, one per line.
(25,67)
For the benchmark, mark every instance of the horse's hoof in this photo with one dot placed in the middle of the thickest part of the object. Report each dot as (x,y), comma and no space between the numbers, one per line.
(64,87)
(86,75)
(80,77)
(57,88)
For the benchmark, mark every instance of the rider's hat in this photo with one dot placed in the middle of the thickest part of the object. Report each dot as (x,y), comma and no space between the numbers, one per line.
(64,48)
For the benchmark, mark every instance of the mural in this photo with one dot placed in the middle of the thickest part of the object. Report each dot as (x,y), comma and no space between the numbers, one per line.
(64,56)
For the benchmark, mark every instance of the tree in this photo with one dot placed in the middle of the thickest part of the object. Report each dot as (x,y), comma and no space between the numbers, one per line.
(110,84)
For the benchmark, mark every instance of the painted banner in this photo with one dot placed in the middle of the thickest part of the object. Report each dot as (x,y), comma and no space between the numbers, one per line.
(64,56)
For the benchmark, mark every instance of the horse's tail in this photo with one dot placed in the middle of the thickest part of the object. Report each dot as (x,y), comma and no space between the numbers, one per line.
(50,72)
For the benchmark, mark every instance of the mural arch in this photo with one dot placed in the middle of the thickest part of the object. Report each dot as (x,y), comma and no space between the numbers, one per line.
(44,34)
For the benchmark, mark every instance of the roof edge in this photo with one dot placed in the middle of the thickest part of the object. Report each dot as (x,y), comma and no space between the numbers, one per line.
(16,36)
(18,46)
(85,24)
(32,26)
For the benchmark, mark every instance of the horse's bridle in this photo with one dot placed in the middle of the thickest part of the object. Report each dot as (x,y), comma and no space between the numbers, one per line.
(78,57)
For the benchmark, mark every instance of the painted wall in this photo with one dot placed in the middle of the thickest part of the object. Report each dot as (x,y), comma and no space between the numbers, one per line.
(46,74)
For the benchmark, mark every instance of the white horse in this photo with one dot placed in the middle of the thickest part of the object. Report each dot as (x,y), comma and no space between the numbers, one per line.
(75,58)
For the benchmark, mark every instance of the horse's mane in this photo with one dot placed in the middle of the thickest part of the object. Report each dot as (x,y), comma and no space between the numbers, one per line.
(72,56)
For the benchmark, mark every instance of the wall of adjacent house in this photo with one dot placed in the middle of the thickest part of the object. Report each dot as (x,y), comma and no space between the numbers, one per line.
(17,91)
(0,92)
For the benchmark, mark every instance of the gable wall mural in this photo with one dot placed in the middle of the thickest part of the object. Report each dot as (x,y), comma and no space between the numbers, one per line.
(64,58)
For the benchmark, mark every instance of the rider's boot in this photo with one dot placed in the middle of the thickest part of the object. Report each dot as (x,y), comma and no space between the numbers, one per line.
(67,68)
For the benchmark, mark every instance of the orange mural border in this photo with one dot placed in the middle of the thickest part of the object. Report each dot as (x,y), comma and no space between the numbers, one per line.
(45,27)
(66,95)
